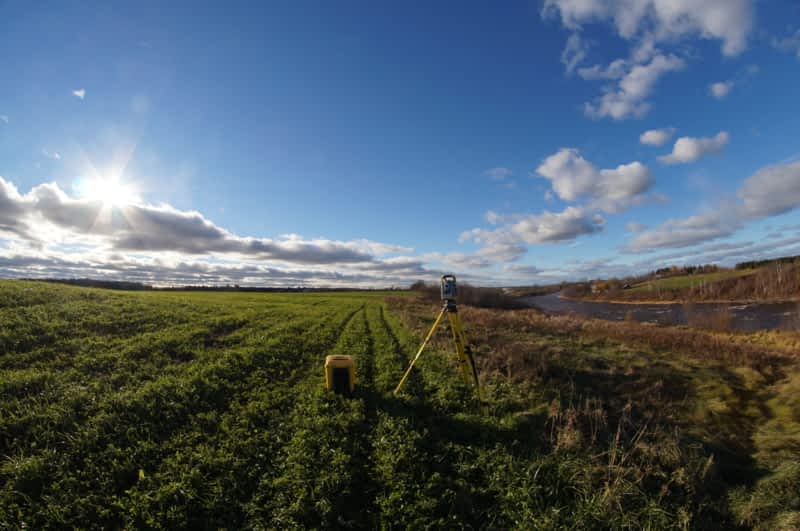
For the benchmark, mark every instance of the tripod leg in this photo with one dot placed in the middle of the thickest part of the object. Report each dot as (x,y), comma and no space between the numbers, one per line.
(421,348)
(465,360)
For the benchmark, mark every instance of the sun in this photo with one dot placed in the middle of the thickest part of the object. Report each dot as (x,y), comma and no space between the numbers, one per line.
(109,191)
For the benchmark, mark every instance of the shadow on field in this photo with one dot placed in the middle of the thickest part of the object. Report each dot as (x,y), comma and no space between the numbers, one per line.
(650,399)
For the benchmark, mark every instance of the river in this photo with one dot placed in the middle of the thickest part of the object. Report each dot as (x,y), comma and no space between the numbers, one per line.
(743,317)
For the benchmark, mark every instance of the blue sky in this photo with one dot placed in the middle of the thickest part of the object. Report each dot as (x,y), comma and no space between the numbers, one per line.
(376,143)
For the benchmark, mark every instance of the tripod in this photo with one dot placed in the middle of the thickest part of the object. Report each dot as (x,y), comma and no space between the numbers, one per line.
(464,353)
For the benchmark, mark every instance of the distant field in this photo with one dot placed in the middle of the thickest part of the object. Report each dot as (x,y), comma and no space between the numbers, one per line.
(207,410)
(688,281)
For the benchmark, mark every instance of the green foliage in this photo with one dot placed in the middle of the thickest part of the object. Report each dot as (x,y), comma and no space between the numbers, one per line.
(207,410)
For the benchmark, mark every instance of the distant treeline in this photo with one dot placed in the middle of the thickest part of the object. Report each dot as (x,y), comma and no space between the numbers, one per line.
(92,283)
(684,270)
(138,286)
(754,264)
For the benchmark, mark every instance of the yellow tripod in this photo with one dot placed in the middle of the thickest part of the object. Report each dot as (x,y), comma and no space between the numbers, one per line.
(463,352)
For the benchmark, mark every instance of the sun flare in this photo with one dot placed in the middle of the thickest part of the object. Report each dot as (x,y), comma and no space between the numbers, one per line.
(109,191)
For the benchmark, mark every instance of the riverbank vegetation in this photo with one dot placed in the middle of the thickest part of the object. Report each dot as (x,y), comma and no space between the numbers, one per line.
(207,410)
(764,281)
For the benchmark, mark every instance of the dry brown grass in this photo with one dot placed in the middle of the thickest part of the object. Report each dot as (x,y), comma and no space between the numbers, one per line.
(665,412)
(494,328)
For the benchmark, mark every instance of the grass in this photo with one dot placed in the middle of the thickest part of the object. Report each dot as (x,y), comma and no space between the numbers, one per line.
(207,410)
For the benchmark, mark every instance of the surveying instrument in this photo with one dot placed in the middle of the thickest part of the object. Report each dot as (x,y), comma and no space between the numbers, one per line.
(463,352)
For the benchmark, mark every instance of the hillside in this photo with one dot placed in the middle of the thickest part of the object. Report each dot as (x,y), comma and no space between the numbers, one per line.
(205,410)
(758,282)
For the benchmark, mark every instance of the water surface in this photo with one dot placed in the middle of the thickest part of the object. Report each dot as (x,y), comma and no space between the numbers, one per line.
(742,316)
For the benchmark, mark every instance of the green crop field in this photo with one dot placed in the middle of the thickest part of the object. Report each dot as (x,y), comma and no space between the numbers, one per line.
(207,410)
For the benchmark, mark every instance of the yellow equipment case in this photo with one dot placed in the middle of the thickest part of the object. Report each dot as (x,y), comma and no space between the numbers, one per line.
(340,374)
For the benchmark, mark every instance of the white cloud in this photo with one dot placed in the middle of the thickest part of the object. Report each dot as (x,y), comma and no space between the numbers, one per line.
(499,245)
(557,227)
(197,271)
(12,208)
(729,21)
(459,261)
(505,244)
(688,149)
(3,118)
(684,232)
(574,52)
(720,89)
(499,173)
(615,70)
(657,137)
(378,248)
(52,155)
(790,43)
(732,252)
(573,177)
(79,93)
(46,233)
(493,217)
(627,99)
(771,191)
(570,174)
(47,215)
(647,24)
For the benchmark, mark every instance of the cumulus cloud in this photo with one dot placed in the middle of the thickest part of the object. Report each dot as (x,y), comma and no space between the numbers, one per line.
(573,177)
(657,137)
(729,21)
(183,272)
(720,89)
(12,208)
(79,93)
(498,174)
(506,243)
(648,25)
(557,227)
(627,98)
(790,43)
(47,233)
(770,191)
(47,216)
(688,149)
(52,155)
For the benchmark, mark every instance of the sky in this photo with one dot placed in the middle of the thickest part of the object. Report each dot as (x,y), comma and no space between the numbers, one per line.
(377,143)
